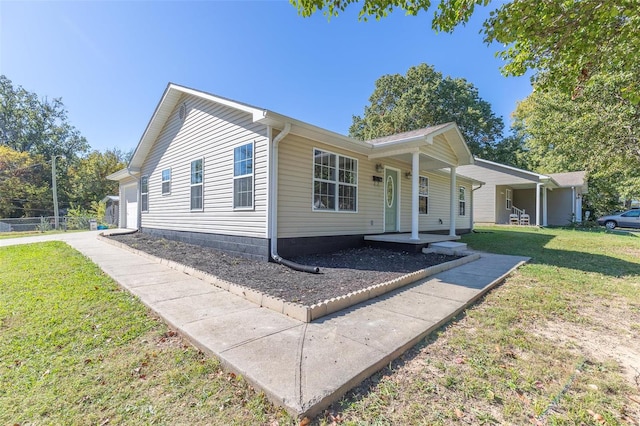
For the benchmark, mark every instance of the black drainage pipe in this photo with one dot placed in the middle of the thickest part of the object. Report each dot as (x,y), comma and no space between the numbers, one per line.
(295,266)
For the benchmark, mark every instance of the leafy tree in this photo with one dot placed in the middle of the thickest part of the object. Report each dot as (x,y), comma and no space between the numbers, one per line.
(567,42)
(597,132)
(423,97)
(88,177)
(39,127)
(24,190)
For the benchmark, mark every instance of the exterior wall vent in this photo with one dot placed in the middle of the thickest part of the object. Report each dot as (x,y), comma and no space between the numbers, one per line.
(182,113)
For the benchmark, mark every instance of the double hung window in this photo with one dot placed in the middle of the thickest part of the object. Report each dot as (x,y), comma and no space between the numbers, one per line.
(144,193)
(462,201)
(166,181)
(243,177)
(423,194)
(335,182)
(196,184)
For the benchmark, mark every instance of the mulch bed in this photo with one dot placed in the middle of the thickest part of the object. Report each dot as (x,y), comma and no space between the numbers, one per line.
(340,272)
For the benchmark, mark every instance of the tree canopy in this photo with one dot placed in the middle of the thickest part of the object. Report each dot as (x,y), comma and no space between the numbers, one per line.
(564,42)
(88,177)
(28,124)
(24,189)
(32,131)
(424,97)
(597,132)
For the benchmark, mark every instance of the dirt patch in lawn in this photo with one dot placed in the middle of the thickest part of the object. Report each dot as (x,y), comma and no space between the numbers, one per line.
(341,272)
(611,332)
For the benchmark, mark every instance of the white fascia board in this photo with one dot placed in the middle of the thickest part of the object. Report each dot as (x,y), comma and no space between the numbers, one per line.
(390,153)
(312,132)
(447,174)
(217,99)
(123,174)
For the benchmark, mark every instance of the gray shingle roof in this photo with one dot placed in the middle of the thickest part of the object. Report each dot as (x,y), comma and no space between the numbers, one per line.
(407,135)
(569,178)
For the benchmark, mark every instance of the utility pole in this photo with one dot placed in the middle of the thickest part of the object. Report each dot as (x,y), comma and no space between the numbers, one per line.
(55,192)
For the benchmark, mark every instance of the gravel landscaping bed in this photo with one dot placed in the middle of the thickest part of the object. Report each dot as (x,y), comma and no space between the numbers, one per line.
(340,272)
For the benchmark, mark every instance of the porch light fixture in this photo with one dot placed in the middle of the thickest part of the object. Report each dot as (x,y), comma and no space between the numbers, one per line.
(407,175)
(379,168)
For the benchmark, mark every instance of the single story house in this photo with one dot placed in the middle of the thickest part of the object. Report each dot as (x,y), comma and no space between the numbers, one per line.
(221,173)
(512,195)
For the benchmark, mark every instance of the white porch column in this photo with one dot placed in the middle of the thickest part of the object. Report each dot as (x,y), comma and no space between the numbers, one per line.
(538,187)
(578,202)
(453,201)
(573,203)
(544,206)
(415,214)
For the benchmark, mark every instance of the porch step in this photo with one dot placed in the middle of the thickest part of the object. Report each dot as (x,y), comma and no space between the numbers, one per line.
(446,247)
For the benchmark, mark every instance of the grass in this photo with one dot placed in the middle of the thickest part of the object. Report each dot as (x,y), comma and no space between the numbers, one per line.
(536,350)
(526,353)
(20,234)
(75,349)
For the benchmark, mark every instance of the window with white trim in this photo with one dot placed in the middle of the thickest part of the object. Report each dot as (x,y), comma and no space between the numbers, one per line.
(144,193)
(166,181)
(462,201)
(509,199)
(335,182)
(196,184)
(423,194)
(243,177)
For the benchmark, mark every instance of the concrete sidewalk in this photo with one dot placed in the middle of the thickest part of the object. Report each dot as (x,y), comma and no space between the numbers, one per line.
(301,366)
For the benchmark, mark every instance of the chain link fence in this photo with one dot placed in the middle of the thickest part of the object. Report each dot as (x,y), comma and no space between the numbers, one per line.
(47,223)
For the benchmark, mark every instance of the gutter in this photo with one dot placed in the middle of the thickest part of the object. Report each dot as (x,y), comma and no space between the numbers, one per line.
(273,205)
(473,201)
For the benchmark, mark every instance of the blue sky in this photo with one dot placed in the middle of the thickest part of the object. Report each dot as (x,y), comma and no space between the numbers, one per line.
(110,61)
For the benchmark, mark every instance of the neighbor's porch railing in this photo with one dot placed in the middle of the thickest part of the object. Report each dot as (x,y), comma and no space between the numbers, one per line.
(515,210)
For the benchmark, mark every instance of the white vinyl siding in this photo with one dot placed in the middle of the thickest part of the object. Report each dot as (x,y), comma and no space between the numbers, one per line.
(243,177)
(197,185)
(209,131)
(295,186)
(335,182)
(166,181)
(144,193)
(423,194)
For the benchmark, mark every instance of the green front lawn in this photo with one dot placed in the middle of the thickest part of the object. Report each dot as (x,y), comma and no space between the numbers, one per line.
(75,349)
(539,349)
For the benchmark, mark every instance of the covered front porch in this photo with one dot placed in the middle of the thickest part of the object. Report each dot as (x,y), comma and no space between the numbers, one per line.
(439,149)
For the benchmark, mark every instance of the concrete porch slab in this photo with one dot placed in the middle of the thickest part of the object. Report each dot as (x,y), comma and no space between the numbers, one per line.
(405,238)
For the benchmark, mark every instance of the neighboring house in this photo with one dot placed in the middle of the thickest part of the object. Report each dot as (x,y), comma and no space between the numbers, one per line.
(509,193)
(112,211)
(217,172)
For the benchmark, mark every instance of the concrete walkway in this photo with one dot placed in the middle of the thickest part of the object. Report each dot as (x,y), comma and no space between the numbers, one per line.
(301,366)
